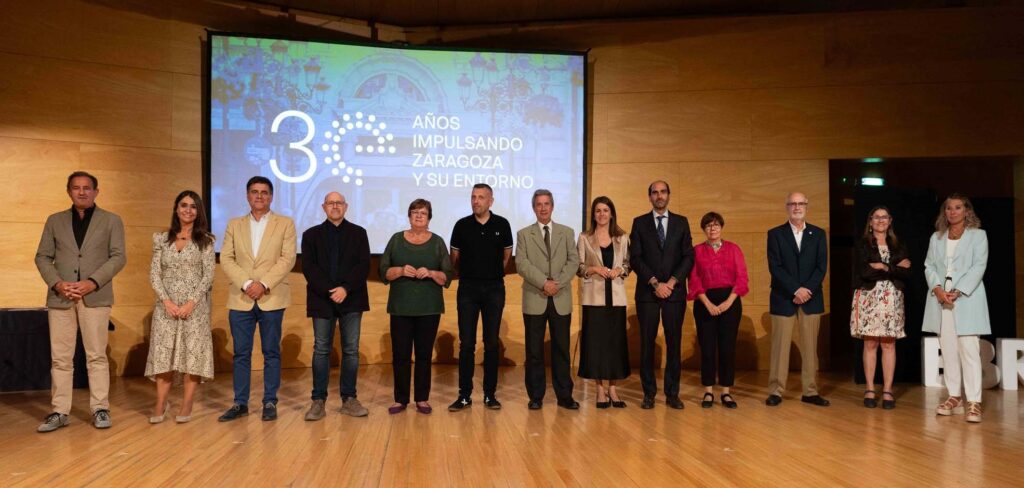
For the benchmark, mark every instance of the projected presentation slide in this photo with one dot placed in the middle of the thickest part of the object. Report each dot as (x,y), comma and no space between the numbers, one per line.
(385,126)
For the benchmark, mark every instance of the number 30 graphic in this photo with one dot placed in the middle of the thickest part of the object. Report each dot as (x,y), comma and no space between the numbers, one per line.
(300,145)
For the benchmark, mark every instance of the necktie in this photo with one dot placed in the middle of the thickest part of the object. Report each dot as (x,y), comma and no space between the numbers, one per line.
(547,246)
(661,232)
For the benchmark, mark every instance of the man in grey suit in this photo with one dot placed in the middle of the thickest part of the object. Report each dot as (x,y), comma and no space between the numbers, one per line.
(79,253)
(547,259)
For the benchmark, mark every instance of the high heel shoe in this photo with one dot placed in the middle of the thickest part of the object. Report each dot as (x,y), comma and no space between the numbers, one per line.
(606,403)
(181,419)
(617,403)
(160,418)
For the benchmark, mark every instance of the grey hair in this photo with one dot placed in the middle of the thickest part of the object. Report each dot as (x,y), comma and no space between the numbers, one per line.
(540,193)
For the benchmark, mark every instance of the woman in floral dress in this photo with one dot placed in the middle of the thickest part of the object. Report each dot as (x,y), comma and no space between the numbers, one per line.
(181,273)
(877,315)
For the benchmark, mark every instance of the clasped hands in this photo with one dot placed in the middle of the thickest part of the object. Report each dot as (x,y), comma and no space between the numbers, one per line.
(606,273)
(550,288)
(664,290)
(74,290)
(179,311)
(716,310)
(421,273)
(945,297)
(256,290)
(802,296)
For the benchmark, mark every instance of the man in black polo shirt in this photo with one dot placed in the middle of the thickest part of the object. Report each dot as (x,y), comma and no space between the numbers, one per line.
(481,247)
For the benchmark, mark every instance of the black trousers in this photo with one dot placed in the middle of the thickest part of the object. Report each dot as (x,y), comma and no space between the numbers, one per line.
(536,382)
(409,334)
(671,317)
(717,337)
(476,299)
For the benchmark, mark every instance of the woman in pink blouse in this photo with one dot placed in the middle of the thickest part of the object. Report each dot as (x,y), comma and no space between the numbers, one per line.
(716,283)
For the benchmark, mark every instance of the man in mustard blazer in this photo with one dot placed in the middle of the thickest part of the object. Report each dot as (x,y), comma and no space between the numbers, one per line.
(257,255)
(79,253)
(547,260)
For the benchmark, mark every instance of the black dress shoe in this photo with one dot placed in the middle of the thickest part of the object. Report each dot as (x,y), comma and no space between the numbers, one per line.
(604,404)
(618,404)
(234,412)
(269,412)
(647,403)
(460,404)
(816,400)
(773,400)
(870,402)
(534,405)
(707,401)
(727,400)
(569,404)
(492,403)
(886,403)
(674,402)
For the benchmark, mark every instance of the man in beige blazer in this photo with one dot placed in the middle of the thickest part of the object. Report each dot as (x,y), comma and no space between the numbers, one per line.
(547,260)
(257,255)
(79,253)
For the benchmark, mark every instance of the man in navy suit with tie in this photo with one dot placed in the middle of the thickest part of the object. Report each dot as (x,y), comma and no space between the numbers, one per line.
(797,260)
(661,254)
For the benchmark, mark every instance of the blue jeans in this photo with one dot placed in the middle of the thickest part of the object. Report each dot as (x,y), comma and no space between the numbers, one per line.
(243,328)
(323,341)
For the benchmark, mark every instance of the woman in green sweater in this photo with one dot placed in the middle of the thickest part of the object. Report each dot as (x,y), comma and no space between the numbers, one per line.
(416,265)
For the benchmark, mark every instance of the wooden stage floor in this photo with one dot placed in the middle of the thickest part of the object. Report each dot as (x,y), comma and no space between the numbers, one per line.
(794,444)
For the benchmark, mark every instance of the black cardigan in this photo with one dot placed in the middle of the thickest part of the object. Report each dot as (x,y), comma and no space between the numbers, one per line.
(355,265)
(865,277)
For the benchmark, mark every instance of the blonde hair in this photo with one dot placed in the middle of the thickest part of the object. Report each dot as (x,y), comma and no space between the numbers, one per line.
(971,220)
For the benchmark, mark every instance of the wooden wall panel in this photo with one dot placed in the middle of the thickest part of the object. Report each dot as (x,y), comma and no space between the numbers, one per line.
(960,119)
(43,28)
(925,46)
(683,126)
(38,170)
(50,99)
(135,34)
(21,286)
(140,184)
(710,54)
(187,115)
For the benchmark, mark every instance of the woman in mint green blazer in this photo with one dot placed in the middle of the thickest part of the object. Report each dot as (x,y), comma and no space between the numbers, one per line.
(956,307)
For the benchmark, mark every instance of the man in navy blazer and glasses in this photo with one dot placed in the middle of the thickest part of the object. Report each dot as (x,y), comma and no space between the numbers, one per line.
(797,260)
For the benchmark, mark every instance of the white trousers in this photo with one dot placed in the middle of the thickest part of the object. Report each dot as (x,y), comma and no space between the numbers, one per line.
(961,359)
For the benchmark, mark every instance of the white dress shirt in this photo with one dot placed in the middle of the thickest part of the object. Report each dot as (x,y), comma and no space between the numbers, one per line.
(798,234)
(256,230)
(550,225)
(664,221)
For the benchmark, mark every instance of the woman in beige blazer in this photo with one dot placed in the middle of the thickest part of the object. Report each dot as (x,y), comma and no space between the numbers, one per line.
(604,265)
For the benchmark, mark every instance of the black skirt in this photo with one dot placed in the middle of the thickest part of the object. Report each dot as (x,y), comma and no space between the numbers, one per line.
(604,349)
